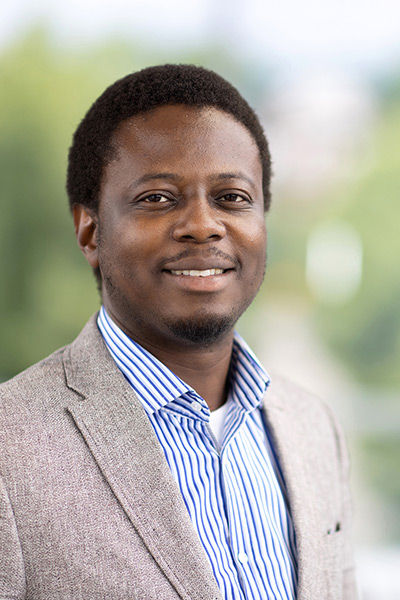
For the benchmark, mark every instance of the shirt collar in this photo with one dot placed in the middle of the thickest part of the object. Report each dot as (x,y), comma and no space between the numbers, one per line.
(249,380)
(157,386)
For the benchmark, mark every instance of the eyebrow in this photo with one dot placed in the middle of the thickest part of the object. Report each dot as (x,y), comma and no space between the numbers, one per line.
(175,177)
(154,176)
(239,175)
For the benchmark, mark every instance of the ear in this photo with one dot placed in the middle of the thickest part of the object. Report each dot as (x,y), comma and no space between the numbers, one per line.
(85,222)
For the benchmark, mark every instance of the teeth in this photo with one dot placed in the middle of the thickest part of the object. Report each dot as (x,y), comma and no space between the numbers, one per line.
(194,273)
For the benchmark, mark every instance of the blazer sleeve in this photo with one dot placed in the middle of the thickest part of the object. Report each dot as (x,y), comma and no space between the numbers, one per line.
(12,572)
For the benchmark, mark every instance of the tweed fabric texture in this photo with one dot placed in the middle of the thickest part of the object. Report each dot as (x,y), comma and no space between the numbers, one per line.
(89,508)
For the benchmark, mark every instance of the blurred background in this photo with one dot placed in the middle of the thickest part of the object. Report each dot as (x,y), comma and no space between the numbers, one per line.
(325,79)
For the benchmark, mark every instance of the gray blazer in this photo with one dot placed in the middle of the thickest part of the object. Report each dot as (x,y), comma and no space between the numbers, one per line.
(89,509)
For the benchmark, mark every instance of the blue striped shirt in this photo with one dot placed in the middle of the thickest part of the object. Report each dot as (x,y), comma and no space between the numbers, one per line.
(233,490)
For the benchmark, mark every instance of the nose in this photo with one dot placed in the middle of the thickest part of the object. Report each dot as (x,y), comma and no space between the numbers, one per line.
(198,222)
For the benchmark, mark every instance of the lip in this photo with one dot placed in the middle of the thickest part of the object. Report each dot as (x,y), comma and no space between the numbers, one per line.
(188,283)
(199,263)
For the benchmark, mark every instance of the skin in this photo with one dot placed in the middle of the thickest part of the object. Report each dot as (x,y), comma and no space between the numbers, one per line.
(184,192)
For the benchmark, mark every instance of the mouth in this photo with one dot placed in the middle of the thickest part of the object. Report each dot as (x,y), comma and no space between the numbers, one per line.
(211,263)
(209,280)
(198,273)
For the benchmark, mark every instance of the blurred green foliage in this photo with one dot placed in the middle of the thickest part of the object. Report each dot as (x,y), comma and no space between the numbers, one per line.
(40,269)
(365,332)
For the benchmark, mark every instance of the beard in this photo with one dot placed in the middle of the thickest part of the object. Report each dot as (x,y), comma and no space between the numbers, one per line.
(202,331)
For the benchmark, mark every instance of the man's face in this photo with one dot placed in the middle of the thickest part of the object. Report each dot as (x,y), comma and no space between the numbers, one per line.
(181,238)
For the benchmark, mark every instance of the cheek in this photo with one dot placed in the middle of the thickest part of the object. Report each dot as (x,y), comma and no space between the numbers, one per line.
(127,242)
(256,259)
(255,242)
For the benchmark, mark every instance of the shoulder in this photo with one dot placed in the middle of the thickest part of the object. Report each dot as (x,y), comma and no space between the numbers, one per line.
(37,376)
(303,412)
(26,396)
(290,396)
(287,395)
(35,422)
(44,382)
(31,407)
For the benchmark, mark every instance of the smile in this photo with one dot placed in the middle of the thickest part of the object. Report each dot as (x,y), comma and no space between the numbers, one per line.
(196,273)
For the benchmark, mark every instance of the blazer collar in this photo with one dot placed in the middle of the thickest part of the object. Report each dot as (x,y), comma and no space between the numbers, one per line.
(122,441)
(290,433)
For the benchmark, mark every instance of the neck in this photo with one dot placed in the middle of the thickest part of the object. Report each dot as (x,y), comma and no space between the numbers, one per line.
(204,369)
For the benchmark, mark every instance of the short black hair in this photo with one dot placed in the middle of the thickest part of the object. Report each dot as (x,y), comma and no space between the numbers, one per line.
(92,145)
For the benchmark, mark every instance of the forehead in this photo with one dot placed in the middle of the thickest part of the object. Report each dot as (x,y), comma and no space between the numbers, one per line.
(183,137)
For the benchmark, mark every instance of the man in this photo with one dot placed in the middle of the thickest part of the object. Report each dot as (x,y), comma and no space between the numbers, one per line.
(153,457)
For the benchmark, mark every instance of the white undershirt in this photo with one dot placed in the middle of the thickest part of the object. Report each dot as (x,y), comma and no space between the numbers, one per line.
(217,419)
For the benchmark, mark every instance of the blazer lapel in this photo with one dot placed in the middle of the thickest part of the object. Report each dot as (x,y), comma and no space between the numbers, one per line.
(125,447)
(289,433)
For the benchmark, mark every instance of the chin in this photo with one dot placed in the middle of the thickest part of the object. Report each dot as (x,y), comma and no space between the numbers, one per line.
(202,331)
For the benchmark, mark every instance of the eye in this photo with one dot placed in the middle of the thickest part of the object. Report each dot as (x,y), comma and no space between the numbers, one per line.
(235,198)
(155,199)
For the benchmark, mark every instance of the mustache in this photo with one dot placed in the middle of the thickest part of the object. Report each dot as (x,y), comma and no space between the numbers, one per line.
(211,252)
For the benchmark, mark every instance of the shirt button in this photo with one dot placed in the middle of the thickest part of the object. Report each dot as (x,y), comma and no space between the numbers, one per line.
(196,406)
(242,558)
